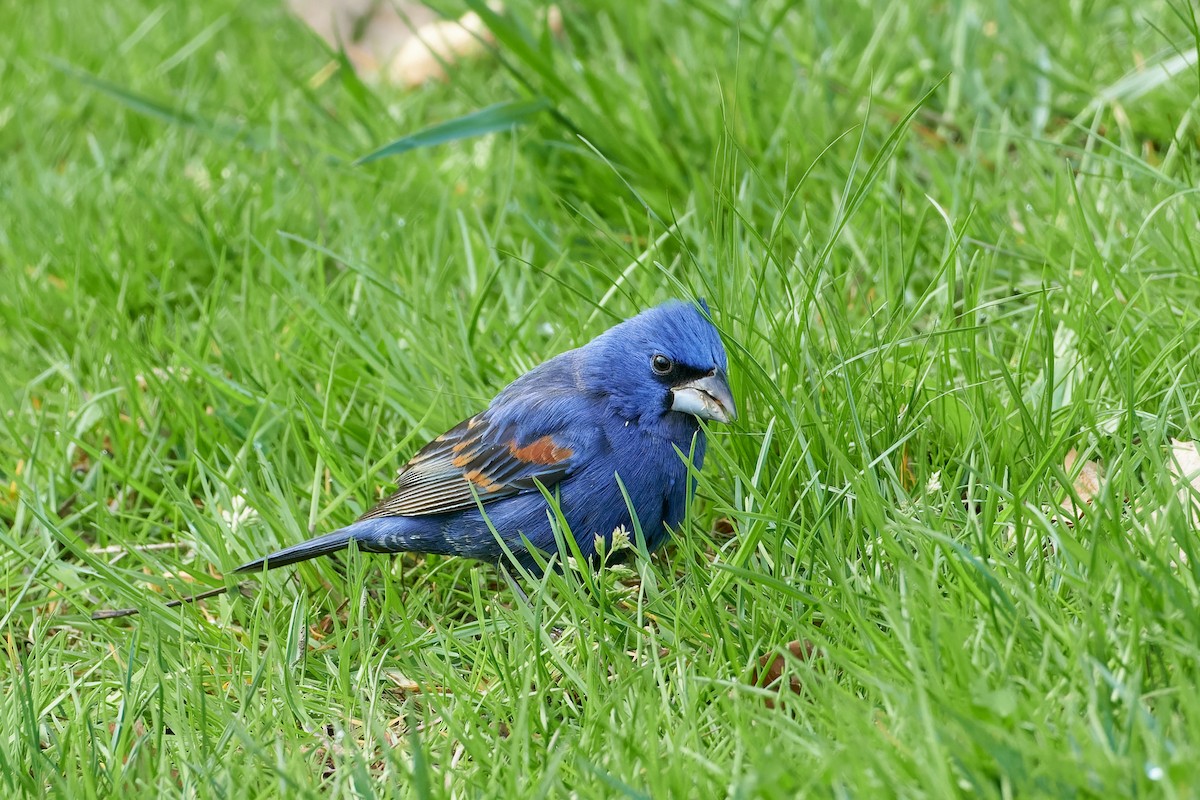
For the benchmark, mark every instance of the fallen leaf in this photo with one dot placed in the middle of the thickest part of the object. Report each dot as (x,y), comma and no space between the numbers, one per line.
(404,42)
(769,674)
(402,682)
(423,56)
(1086,485)
(1184,466)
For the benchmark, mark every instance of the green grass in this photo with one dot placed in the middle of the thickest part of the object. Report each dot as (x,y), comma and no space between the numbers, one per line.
(945,242)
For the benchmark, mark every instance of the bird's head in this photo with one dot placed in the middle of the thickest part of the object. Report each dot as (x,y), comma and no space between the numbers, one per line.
(667,360)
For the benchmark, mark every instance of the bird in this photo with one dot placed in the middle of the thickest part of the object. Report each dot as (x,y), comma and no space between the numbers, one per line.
(606,429)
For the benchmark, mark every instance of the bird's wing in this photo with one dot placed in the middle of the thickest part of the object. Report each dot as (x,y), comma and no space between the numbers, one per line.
(482,458)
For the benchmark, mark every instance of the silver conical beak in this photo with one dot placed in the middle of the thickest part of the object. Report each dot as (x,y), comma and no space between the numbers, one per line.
(707,398)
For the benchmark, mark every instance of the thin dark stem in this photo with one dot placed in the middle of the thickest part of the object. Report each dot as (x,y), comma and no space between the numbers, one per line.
(113,613)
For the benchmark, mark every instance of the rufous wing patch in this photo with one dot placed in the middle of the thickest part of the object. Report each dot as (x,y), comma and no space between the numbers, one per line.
(484,483)
(540,451)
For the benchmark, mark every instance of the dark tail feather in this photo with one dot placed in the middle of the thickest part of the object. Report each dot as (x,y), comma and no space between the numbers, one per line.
(375,535)
(320,546)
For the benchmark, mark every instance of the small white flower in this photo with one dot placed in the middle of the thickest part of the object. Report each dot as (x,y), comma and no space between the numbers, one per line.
(620,538)
(239,513)
(935,483)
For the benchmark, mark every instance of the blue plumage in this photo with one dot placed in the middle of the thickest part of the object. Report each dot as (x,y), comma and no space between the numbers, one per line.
(626,404)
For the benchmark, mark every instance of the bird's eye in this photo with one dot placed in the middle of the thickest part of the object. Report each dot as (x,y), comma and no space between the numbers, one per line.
(661,364)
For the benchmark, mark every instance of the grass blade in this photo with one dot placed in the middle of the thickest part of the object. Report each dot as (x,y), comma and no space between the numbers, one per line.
(499,117)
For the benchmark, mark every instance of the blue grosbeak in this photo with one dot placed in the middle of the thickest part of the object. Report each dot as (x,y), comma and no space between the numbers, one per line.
(614,413)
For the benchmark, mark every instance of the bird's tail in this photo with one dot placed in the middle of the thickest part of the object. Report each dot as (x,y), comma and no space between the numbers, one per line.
(320,546)
(371,535)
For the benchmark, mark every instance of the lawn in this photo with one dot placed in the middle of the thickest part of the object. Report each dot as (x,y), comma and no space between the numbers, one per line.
(952,248)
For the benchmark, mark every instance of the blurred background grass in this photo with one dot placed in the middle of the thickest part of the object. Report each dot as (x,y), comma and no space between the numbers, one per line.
(947,242)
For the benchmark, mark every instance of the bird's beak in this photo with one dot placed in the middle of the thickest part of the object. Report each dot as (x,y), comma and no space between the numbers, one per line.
(707,398)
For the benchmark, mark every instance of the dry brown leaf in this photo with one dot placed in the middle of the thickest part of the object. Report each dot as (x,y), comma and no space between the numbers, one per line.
(402,682)
(769,674)
(374,33)
(403,42)
(423,56)
(1086,485)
